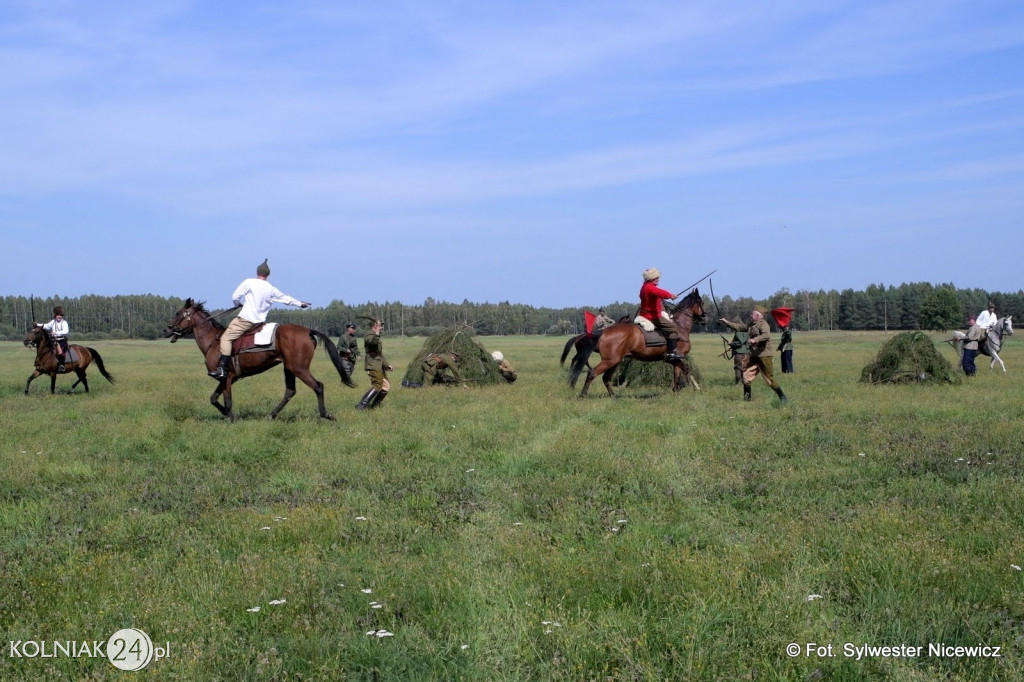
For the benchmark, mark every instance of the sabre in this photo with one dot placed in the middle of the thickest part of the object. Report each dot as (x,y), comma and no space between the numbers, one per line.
(711,286)
(695,284)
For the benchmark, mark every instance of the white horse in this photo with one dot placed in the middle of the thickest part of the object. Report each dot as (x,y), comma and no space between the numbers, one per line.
(1002,327)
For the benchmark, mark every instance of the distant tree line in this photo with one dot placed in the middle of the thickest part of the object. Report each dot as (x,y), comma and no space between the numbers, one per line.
(879,307)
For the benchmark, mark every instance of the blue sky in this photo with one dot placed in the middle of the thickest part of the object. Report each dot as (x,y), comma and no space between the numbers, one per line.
(536,152)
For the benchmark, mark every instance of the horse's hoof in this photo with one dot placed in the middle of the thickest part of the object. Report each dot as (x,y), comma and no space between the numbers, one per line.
(330,417)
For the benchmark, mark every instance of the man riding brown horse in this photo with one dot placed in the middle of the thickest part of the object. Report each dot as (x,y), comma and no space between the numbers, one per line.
(255,296)
(651,309)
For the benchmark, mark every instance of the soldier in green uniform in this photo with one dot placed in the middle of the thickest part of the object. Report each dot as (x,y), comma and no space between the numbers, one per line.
(348,345)
(740,354)
(377,367)
(759,336)
(435,365)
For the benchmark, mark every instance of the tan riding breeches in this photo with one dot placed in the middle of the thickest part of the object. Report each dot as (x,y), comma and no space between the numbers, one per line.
(379,380)
(758,365)
(237,327)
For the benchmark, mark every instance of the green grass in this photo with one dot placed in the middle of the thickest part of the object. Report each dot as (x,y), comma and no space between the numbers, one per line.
(513,532)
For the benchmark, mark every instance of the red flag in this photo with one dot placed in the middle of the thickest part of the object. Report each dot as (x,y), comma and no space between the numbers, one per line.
(588,320)
(783,316)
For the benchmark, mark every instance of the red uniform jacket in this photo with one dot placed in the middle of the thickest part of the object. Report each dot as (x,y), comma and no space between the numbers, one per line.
(650,300)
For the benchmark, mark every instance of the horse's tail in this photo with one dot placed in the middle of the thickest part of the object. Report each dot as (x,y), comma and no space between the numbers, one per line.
(581,360)
(565,353)
(332,352)
(99,364)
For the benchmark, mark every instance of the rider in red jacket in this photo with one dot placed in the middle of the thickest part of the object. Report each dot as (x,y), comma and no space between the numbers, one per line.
(651,297)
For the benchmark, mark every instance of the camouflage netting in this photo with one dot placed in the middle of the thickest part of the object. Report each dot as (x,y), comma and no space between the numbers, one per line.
(635,373)
(906,358)
(475,364)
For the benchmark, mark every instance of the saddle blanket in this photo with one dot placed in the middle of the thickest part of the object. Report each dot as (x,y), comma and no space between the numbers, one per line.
(255,339)
(652,337)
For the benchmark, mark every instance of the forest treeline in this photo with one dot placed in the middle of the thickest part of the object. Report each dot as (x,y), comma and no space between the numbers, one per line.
(904,307)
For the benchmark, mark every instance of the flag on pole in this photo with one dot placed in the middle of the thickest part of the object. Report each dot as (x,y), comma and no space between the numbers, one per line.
(783,316)
(588,320)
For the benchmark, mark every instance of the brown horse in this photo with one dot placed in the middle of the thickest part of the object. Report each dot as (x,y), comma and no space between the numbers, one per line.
(46,360)
(625,339)
(294,346)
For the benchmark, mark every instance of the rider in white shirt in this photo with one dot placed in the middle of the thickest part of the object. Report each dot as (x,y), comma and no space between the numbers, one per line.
(987,319)
(59,330)
(256,295)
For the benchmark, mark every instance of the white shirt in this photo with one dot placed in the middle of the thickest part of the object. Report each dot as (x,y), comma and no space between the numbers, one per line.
(986,320)
(256,295)
(59,328)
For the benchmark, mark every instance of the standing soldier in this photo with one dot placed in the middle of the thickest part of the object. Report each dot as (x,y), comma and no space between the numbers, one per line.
(783,316)
(377,367)
(740,354)
(760,361)
(348,345)
(974,333)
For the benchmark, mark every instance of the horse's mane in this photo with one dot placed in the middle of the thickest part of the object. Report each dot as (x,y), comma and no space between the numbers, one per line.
(200,307)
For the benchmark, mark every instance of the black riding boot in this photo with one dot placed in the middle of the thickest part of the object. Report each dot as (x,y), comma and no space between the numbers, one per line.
(746,392)
(672,355)
(782,396)
(221,370)
(60,363)
(367,398)
(378,399)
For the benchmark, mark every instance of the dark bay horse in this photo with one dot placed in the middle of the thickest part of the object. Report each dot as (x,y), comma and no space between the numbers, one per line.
(294,346)
(625,339)
(584,344)
(46,360)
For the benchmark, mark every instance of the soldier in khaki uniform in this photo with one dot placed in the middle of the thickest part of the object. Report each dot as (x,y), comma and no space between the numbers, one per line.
(759,337)
(348,345)
(377,367)
(435,365)
(508,373)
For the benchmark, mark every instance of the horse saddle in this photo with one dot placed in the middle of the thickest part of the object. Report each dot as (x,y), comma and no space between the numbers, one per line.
(259,338)
(71,356)
(654,338)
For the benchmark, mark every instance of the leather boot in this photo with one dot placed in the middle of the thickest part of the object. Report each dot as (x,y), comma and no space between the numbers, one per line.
(746,392)
(221,370)
(782,396)
(367,398)
(378,399)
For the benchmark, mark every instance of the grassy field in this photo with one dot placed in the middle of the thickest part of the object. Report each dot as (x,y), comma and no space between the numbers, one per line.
(515,532)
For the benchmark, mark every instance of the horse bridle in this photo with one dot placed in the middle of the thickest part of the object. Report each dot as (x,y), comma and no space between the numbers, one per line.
(178,331)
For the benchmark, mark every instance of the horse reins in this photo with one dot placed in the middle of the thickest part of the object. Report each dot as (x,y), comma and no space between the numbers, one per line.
(179,332)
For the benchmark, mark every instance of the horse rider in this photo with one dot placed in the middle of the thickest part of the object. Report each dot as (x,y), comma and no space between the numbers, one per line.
(651,309)
(508,373)
(255,295)
(348,344)
(436,363)
(601,321)
(986,320)
(759,337)
(376,366)
(58,329)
